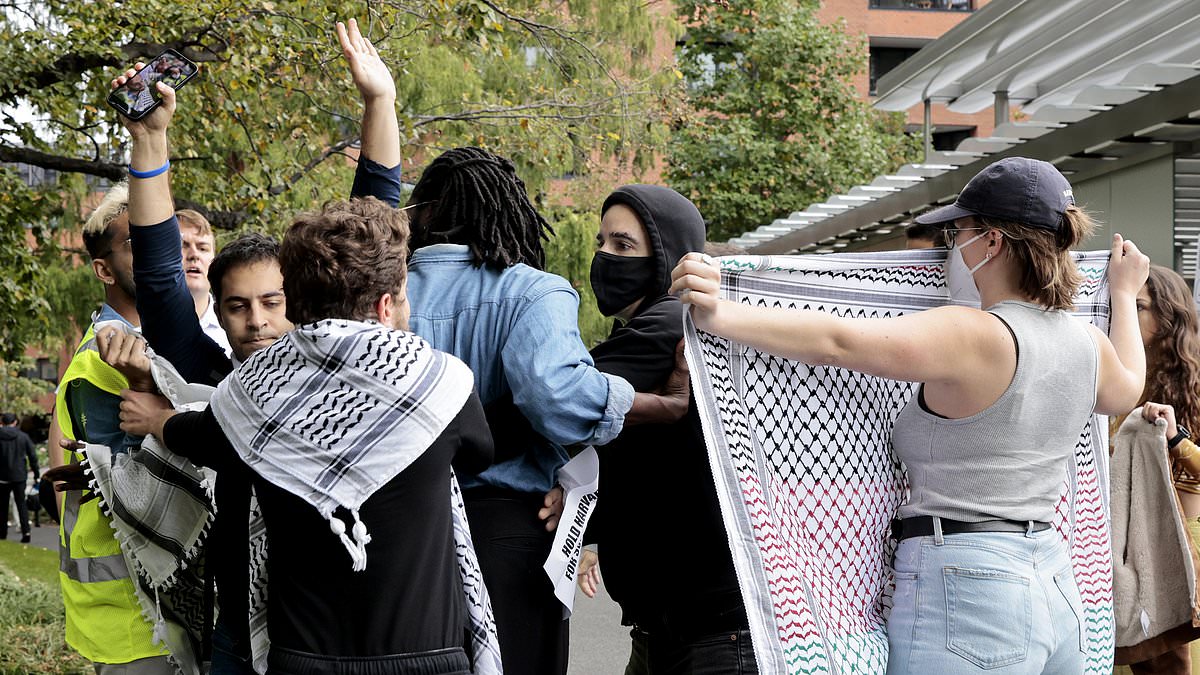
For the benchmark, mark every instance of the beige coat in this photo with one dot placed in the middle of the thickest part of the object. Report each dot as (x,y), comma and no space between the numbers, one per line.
(1154,574)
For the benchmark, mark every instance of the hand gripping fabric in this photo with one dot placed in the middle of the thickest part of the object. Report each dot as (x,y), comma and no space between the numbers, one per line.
(807,480)
(161,506)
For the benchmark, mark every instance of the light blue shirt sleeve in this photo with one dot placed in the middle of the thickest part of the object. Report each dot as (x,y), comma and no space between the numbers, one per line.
(553,378)
(620,400)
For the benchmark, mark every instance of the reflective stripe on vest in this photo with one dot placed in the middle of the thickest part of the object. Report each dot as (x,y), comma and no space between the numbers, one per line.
(85,570)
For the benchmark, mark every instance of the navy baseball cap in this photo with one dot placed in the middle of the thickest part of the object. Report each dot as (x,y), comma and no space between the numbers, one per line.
(1015,189)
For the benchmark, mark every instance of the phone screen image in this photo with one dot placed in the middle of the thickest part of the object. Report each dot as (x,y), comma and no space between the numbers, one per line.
(139,93)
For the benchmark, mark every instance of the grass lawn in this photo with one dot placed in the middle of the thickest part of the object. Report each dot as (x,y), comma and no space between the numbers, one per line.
(29,562)
(31,614)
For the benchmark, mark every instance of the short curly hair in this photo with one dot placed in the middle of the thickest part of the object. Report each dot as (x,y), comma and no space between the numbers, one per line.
(338,262)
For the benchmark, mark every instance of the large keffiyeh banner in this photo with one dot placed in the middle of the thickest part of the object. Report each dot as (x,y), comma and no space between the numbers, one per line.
(807,479)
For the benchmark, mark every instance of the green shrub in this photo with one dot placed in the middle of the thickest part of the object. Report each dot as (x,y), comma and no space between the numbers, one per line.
(569,255)
(32,628)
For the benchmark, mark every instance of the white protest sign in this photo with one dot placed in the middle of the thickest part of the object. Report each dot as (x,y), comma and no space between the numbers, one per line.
(580,480)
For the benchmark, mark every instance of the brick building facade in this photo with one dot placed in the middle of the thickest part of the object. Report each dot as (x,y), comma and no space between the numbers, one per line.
(892,30)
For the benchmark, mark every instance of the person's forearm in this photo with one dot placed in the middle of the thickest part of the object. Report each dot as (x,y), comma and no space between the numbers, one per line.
(654,409)
(54,452)
(1126,337)
(801,335)
(150,199)
(381,131)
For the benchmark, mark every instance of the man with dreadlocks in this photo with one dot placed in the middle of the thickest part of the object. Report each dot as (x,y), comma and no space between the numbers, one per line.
(478,291)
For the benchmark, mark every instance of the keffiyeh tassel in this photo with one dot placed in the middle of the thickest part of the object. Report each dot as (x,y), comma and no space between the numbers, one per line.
(356,545)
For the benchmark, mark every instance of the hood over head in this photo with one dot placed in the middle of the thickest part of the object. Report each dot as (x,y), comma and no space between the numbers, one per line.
(672,221)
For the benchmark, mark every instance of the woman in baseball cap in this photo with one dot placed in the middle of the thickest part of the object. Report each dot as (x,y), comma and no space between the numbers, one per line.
(982,580)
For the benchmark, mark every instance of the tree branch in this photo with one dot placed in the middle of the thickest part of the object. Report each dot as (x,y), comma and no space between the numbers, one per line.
(335,149)
(92,167)
(222,220)
(68,66)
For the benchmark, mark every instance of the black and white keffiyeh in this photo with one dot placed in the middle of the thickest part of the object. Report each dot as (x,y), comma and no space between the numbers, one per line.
(160,507)
(807,480)
(335,409)
(331,413)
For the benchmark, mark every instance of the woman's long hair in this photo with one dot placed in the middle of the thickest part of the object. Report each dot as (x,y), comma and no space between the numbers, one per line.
(1173,353)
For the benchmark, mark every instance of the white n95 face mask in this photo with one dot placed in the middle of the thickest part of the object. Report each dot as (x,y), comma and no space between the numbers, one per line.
(960,279)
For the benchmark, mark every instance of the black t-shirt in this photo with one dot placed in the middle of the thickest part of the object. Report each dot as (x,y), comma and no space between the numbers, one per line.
(409,598)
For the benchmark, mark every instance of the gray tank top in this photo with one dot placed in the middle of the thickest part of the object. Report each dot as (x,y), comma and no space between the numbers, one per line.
(1008,461)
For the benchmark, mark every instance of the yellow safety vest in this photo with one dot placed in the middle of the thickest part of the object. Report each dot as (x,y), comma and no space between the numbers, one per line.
(104,618)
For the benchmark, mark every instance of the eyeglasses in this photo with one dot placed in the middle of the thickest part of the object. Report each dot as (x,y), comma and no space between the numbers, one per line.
(125,244)
(950,234)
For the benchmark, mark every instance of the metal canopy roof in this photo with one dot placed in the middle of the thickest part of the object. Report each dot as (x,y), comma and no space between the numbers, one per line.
(1104,84)
(1043,52)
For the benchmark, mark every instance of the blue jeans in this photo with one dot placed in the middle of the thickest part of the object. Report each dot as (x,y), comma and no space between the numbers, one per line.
(995,602)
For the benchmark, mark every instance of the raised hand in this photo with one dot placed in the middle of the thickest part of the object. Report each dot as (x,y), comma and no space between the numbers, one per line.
(1128,267)
(160,118)
(370,73)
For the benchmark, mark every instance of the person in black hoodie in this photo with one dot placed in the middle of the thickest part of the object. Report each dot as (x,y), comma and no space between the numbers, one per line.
(658,526)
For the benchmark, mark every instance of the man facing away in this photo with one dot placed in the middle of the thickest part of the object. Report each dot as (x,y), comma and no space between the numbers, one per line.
(347,426)
(478,292)
(248,300)
(16,449)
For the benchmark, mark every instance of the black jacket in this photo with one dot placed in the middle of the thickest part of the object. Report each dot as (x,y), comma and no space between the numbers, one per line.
(15,450)
(663,547)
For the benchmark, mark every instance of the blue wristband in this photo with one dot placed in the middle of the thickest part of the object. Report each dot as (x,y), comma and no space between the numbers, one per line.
(151,173)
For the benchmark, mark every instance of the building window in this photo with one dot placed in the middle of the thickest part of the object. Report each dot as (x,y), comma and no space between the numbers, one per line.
(885,59)
(41,369)
(943,136)
(948,136)
(934,5)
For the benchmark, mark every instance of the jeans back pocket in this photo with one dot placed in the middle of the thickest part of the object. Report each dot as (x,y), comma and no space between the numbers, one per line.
(1065,581)
(988,616)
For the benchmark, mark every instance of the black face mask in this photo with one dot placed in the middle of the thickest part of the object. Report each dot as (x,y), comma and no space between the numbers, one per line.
(619,281)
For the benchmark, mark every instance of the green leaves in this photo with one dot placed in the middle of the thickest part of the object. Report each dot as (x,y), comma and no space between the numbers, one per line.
(775,122)
(262,131)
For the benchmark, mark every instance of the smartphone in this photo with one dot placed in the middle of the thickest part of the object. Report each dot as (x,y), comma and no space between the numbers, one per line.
(138,96)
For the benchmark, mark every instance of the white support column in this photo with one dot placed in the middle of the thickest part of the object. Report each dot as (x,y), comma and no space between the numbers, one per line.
(1001,107)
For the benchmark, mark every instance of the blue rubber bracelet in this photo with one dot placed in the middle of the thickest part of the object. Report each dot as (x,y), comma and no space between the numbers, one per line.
(151,173)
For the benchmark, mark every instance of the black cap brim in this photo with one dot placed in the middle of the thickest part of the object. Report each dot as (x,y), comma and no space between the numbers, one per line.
(945,214)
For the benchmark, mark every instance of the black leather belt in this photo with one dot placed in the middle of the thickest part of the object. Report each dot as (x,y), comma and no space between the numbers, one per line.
(922,526)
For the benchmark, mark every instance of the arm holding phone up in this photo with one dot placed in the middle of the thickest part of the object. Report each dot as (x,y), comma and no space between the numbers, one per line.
(150,198)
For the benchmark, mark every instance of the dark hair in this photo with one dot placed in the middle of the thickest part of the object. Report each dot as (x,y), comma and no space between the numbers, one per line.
(247,249)
(1049,275)
(932,232)
(338,261)
(8,418)
(471,196)
(1173,355)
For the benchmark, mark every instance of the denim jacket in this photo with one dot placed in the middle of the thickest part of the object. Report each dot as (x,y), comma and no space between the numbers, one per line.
(518,330)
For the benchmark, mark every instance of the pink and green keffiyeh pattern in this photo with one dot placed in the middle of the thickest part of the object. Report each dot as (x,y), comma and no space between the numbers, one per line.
(807,480)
